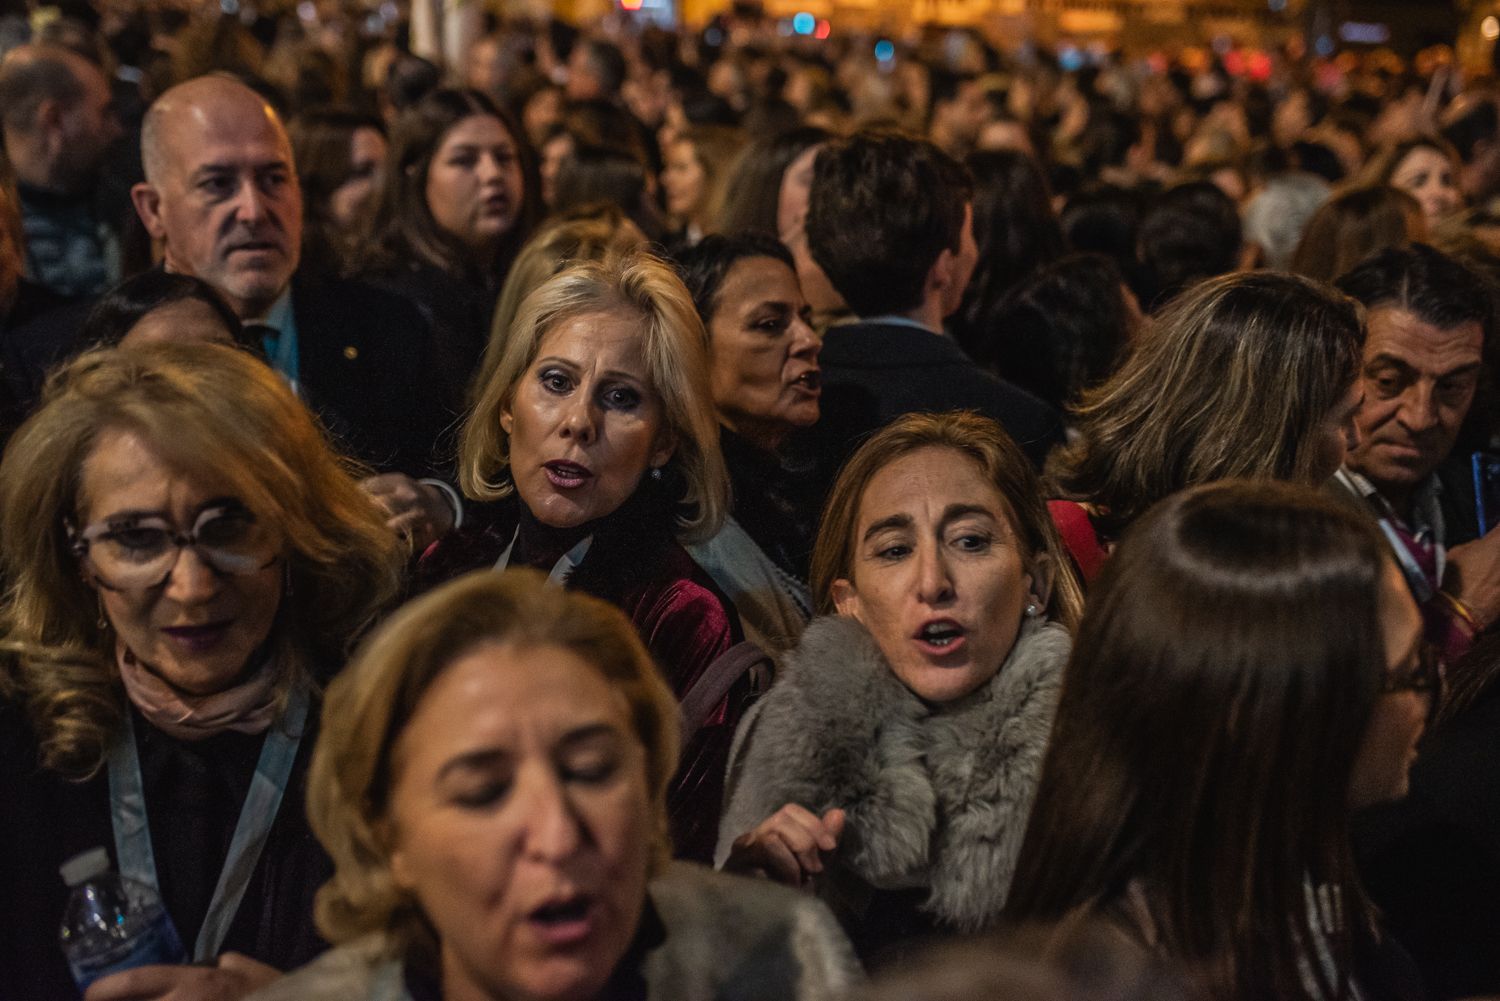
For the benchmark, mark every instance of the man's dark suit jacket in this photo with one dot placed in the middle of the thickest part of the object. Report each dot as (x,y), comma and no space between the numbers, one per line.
(876,372)
(364,367)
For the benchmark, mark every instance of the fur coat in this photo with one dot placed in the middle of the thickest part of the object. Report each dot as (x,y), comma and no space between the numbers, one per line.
(715,938)
(935,797)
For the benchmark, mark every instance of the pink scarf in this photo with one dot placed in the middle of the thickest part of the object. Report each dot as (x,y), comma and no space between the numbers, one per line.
(249,707)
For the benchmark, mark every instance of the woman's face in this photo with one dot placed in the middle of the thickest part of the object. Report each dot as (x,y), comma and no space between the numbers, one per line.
(198,627)
(349,200)
(186,321)
(684,182)
(1382,771)
(939,578)
(585,422)
(764,356)
(474,185)
(554,152)
(1427,175)
(1337,434)
(796,189)
(520,821)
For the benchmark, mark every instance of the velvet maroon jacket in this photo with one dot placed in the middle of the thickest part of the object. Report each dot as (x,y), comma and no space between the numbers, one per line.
(685,621)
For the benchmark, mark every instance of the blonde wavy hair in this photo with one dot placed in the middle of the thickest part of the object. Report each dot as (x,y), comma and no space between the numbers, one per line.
(1004,464)
(370,703)
(600,232)
(201,407)
(676,354)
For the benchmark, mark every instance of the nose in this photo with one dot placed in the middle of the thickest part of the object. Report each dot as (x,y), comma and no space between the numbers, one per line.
(191,580)
(1418,411)
(934,581)
(805,340)
(580,421)
(553,829)
(249,206)
(488,169)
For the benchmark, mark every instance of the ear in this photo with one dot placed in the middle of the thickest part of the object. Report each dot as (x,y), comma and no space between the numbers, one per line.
(147,201)
(940,275)
(49,115)
(845,598)
(1040,580)
(665,449)
(395,858)
(507,419)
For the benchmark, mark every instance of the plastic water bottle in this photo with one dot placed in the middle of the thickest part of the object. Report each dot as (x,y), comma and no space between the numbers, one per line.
(112,923)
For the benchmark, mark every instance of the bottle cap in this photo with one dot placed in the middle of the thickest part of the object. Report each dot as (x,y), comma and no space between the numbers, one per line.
(85,866)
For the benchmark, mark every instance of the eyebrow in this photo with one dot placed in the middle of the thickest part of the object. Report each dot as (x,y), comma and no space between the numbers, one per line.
(136,514)
(950,513)
(609,373)
(1389,359)
(487,758)
(207,169)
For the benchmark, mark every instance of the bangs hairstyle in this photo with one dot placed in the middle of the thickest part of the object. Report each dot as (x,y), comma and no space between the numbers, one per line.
(1230,382)
(1003,464)
(370,703)
(598,232)
(675,349)
(1232,641)
(207,409)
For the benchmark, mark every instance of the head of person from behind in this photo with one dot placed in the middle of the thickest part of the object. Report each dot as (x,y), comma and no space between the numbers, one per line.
(936,539)
(491,783)
(763,352)
(187,489)
(602,385)
(159,306)
(1429,318)
(1269,626)
(221,194)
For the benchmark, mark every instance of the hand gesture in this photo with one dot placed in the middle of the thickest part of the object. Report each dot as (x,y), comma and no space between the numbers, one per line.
(788,846)
(232,977)
(417,510)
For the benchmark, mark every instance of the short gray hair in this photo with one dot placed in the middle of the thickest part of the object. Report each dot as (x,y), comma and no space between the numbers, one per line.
(1275,218)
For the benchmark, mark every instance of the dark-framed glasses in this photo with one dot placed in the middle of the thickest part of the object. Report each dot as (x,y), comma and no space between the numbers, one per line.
(136,553)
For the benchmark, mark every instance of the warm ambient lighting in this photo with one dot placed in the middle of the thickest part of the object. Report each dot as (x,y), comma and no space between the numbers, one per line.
(1490,27)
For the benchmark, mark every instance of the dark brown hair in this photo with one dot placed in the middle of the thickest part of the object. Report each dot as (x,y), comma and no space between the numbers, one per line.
(1350,227)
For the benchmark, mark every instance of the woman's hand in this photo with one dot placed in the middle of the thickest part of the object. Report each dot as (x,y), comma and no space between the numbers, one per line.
(788,846)
(234,976)
(417,510)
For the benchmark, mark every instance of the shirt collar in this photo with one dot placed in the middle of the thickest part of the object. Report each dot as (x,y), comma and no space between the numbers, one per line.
(897,320)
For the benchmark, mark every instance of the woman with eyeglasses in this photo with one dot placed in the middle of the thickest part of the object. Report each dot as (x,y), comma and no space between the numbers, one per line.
(1250,670)
(187,562)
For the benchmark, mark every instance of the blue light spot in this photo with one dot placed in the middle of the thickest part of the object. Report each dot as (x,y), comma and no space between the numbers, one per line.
(804,23)
(885,50)
(1324,46)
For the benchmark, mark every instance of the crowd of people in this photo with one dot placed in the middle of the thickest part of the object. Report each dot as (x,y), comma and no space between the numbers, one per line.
(734,514)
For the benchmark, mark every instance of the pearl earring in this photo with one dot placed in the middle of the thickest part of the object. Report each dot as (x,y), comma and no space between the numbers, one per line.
(1031,610)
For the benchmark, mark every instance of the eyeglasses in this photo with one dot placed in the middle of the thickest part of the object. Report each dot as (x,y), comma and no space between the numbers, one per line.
(140,553)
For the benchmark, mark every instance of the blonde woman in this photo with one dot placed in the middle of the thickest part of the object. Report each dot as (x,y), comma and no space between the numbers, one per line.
(491,783)
(595,446)
(187,562)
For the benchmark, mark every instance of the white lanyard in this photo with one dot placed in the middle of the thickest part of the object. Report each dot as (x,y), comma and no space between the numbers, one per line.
(569,562)
(127,803)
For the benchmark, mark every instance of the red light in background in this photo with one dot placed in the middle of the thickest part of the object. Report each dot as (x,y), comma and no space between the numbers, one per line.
(822,30)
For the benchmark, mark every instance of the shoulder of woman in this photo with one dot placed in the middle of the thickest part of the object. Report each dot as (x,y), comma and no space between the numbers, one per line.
(362,970)
(724,929)
(473,547)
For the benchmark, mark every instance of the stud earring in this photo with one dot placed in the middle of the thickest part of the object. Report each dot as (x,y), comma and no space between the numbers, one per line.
(1032,610)
(103,620)
(656,473)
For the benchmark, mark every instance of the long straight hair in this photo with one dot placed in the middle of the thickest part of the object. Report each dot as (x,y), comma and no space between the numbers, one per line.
(1211,715)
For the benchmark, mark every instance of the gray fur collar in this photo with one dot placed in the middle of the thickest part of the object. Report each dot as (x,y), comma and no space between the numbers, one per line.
(934,796)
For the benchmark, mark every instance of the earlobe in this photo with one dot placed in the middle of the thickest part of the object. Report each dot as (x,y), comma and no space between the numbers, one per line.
(147,202)
(507,420)
(845,598)
(664,451)
(941,274)
(1040,580)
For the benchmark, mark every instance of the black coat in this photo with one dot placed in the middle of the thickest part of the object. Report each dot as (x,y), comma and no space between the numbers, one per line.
(366,367)
(874,373)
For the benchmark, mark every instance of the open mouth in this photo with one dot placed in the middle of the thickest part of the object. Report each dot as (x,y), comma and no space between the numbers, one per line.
(564,922)
(198,637)
(942,636)
(811,380)
(567,475)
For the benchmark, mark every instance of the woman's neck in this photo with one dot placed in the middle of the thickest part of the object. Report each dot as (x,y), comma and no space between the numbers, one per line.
(542,545)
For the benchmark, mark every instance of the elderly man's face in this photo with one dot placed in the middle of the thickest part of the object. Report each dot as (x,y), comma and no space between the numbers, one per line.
(228,209)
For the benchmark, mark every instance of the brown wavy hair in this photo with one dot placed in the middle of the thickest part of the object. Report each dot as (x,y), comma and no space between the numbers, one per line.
(1004,464)
(201,406)
(1230,382)
(370,703)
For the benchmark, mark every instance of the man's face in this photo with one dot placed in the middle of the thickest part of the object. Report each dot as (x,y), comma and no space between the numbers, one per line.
(965,115)
(1419,382)
(229,209)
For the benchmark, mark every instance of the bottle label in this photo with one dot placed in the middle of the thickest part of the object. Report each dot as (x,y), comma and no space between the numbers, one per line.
(155,942)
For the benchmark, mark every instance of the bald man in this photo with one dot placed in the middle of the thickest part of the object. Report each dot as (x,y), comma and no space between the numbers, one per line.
(221,198)
(57,120)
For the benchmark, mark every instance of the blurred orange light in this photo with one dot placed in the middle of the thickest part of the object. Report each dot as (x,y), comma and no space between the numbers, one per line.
(630,4)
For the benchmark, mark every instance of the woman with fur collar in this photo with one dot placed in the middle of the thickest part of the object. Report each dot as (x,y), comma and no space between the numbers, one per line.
(893,766)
